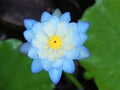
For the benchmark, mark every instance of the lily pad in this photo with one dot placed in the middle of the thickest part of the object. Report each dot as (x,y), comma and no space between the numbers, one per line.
(15,70)
(104,44)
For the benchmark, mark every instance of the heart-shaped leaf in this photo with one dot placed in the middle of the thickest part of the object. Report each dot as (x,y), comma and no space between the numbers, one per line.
(104,43)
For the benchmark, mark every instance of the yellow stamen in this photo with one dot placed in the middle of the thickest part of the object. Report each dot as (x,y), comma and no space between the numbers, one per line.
(55,42)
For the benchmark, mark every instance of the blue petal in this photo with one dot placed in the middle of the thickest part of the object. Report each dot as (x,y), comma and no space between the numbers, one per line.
(47,65)
(57,13)
(76,39)
(58,64)
(55,75)
(29,23)
(33,53)
(68,66)
(83,37)
(84,53)
(36,66)
(80,52)
(74,54)
(37,27)
(73,26)
(83,26)
(65,17)
(25,47)
(28,34)
(45,16)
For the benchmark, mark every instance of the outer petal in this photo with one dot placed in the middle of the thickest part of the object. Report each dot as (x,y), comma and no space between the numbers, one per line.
(83,26)
(58,64)
(33,53)
(68,66)
(29,23)
(28,34)
(84,53)
(47,65)
(79,38)
(65,17)
(83,37)
(72,26)
(55,75)
(74,54)
(37,27)
(57,13)
(78,53)
(36,66)
(45,16)
(76,39)
(25,47)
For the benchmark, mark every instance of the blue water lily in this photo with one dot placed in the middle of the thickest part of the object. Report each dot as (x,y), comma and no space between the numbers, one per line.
(54,42)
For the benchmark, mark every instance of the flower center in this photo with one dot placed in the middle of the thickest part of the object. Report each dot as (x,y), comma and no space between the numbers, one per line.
(55,42)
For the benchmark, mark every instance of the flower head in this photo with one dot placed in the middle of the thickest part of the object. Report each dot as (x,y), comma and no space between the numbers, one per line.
(54,42)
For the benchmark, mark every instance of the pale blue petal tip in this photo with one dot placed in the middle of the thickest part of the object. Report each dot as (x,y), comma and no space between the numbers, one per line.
(45,16)
(33,53)
(84,53)
(25,48)
(68,66)
(65,17)
(47,65)
(28,34)
(36,66)
(83,37)
(57,12)
(55,75)
(83,26)
(73,54)
(29,23)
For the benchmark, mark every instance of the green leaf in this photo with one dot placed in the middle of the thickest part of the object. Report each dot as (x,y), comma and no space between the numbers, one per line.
(104,43)
(15,70)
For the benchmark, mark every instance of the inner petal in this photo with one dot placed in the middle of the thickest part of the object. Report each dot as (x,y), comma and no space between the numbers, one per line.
(62,29)
(49,29)
(40,40)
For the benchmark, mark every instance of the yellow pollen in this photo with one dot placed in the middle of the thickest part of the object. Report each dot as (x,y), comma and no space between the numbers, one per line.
(55,42)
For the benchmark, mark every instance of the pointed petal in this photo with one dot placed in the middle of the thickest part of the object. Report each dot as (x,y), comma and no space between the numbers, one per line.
(79,38)
(28,34)
(83,37)
(78,53)
(74,54)
(36,66)
(49,30)
(68,66)
(47,65)
(84,53)
(83,26)
(72,26)
(55,75)
(33,53)
(25,47)
(29,23)
(37,27)
(45,16)
(57,12)
(58,64)
(65,17)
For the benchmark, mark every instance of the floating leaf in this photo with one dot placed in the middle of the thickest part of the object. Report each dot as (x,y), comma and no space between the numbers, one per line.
(15,70)
(104,44)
